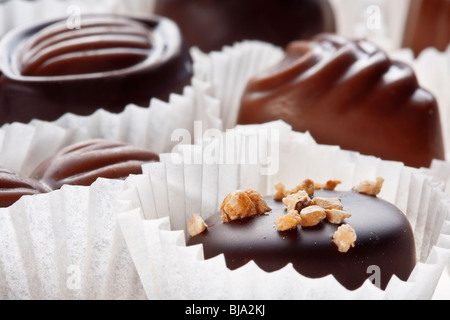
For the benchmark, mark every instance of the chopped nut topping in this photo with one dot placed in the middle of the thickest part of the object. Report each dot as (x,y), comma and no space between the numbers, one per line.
(312,216)
(260,205)
(240,205)
(371,188)
(197,225)
(297,201)
(332,184)
(344,238)
(289,221)
(329,185)
(281,191)
(328,203)
(307,185)
(336,216)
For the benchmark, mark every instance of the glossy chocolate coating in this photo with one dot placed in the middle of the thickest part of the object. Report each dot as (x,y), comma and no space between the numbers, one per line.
(428,25)
(13,186)
(83,163)
(351,94)
(109,62)
(212,24)
(385,239)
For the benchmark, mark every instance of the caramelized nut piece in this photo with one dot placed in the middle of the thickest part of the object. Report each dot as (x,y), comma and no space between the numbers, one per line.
(260,205)
(197,225)
(280,191)
(289,221)
(307,185)
(371,188)
(297,201)
(344,238)
(312,216)
(240,205)
(336,216)
(328,203)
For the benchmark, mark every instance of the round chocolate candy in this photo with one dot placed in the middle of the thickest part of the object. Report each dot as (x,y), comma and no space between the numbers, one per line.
(13,186)
(384,247)
(212,24)
(108,61)
(83,163)
(349,93)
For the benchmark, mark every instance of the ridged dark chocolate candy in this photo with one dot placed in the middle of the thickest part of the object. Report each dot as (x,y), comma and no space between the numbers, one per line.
(428,25)
(83,163)
(349,93)
(384,240)
(212,24)
(111,61)
(13,186)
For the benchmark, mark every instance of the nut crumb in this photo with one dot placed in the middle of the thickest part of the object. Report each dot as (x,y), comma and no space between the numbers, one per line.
(328,203)
(344,238)
(282,192)
(260,205)
(197,225)
(289,221)
(336,216)
(311,216)
(243,204)
(372,188)
(330,185)
(297,201)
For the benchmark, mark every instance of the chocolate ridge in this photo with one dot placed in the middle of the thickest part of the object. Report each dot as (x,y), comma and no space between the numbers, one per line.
(348,93)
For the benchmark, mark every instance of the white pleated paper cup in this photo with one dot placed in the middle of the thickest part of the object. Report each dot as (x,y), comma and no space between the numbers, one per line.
(157,206)
(65,244)
(14,13)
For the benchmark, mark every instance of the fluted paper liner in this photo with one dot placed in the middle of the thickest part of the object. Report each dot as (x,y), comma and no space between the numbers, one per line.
(65,244)
(156,207)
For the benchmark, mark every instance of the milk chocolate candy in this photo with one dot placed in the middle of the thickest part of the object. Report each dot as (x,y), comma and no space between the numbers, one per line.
(428,25)
(384,247)
(212,24)
(14,186)
(348,93)
(109,61)
(83,163)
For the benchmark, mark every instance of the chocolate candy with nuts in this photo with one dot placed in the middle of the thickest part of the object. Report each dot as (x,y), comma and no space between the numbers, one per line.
(367,232)
(352,94)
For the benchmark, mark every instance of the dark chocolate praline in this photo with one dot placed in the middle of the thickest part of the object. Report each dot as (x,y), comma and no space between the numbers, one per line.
(84,162)
(109,61)
(14,186)
(213,24)
(349,93)
(384,240)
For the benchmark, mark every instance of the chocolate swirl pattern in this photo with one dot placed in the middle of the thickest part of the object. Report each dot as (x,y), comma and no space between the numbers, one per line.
(101,44)
(85,162)
(13,186)
(349,93)
(111,61)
